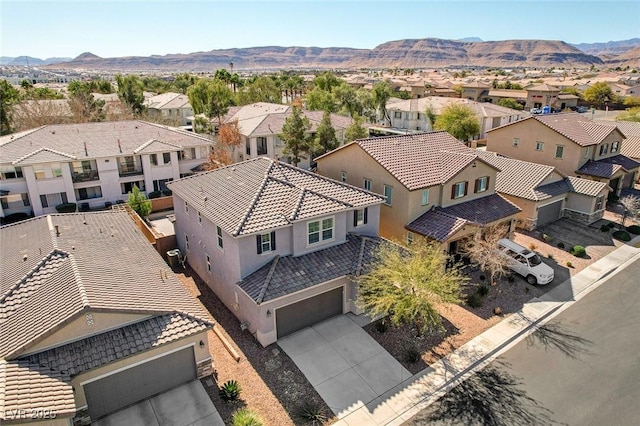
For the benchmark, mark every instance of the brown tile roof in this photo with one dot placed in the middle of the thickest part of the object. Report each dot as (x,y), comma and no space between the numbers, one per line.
(104,348)
(33,388)
(543,88)
(631,145)
(441,223)
(289,274)
(261,194)
(91,140)
(570,184)
(53,278)
(418,160)
(607,167)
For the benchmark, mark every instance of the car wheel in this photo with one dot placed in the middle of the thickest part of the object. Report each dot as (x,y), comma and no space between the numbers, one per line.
(532,280)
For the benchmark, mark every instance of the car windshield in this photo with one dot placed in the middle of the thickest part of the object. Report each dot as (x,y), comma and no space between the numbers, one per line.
(535,260)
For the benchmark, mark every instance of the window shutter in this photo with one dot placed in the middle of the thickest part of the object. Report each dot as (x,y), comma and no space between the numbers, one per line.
(273,240)
(453,191)
(488,182)
(259,244)
(355,218)
(366,213)
(466,187)
(477,184)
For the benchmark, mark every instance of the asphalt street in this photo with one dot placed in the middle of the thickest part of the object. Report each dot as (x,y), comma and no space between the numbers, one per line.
(581,368)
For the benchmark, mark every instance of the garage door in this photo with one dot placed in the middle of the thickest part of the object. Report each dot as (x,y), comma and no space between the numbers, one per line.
(134,384)
(549,213)
(308,312)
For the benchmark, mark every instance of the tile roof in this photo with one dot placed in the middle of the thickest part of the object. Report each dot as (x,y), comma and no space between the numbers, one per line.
(167,101)
(438,104)
(418,160)
(104,348)
(48,279)
(607,167)
(260,194)
(516,177)
(441,223)
(543,88)
(570,184)
(33,388)
(90,140)
(631,145)
(289,274)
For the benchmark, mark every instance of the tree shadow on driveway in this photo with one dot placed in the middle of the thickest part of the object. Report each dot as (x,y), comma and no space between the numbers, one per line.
(555,336)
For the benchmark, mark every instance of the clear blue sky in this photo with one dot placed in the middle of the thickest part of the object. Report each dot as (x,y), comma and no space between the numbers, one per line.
(123,27)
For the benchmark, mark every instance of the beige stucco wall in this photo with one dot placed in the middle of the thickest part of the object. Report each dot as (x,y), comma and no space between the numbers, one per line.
(194,340)
(528,212)
(78,328)
(470,174)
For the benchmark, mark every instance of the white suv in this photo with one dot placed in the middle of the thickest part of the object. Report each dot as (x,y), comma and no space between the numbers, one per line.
(526,263)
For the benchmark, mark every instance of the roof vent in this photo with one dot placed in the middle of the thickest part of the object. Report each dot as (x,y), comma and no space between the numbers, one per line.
(24,258)
(57,231)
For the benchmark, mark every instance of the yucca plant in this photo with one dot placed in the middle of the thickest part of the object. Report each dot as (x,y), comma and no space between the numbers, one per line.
(230,390)
(312,412)
(246,417)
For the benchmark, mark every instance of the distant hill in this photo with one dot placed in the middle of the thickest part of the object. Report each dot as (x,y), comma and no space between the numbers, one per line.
(629,58)
(608,48)
(470,39)
(22,60)
(417,53)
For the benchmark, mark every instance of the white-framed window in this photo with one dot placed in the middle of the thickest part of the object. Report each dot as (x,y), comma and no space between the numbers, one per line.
(559,151)
(208,260)
(38,170)
(599,202)
(343,176)
(516,142)
(409,237)
(425,197)
(266,243)
(186,242)
(614,146)
(587,152)
(89,193)
(459,190)
(604,148)
(388,194)
(11,172)
(187,154)
(481,184)
(166,157)
(397,114)
(200,218)
(367,184)
(56,170)
(539,146)
(186,207)
(219,235)
(360,217)
(52,200)
(320,230)
(12,201)
(154,159)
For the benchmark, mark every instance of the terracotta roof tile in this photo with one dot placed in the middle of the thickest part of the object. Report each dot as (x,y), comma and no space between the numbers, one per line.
(607,167)
(576,128)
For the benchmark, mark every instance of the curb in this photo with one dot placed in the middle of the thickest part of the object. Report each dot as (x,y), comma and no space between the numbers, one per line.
(413,395)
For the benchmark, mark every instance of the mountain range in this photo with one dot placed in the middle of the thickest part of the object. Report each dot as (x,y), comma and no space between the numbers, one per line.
(411,53)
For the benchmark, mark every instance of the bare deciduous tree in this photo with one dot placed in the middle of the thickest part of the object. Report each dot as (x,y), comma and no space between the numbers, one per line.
(229,137)
(482,251)
(631,207)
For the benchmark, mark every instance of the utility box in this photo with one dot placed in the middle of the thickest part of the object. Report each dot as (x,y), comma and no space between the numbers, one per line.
(173,258)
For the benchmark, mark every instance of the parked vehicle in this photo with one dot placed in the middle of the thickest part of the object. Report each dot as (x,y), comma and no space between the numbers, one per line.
(582,109)
(535,111)
(526,263)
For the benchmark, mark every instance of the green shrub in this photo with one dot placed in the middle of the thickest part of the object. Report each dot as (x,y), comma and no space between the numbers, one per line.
(482,278)
(550,256)
(604,228)
(547,238)
(246,417)
(483,290)
(382,326)
(410,353)
(578,251)
(13,218)
(474,301)
(622,236)
(154,194)
(560,245)
(311,411)
(634,229)
(611,225)
(230,390)
(66,208)
(569,264)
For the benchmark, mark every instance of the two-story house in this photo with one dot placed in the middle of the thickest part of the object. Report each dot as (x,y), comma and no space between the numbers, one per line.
(572,144)
(261,123)
(174,108)
(92,163)
(92,319)
(276,243)
(433,185)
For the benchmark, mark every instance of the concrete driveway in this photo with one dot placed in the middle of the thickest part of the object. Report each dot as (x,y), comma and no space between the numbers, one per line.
(347,367)
(186,405)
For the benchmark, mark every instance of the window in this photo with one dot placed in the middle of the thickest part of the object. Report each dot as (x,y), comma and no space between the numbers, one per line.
(154,159)
(482,184)
(220,242)
(11,172)
(320,230)
(599,202)
(161,184)
(559,151)
(587,152)
(52,200)
(188,154)
(539,146)
(388,193)
(425,197)
(397,114)
(603,149)
(516,142)
(266,243)
(409,237)
(343,176)
(186,242)
(367,184)
(459,190)
(360,217)
(25,199)
(186,207)
(38,170)
(56,170)
(166,157)
(208,260)
(262,145)
(614,146)
(127,187)
(199,218)
(13,201)
(89,193)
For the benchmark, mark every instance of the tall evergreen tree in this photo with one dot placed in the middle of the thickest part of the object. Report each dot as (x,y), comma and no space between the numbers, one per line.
(130,91)
(298,145)
(326,139)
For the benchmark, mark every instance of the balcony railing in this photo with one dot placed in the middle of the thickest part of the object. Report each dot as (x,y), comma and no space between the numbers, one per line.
(129,171)
(85,176)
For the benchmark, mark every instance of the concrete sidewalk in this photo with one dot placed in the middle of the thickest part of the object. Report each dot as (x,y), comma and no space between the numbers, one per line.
(411,396)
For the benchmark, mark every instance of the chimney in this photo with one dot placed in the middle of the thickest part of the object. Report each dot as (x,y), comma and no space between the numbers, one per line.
(57,231)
